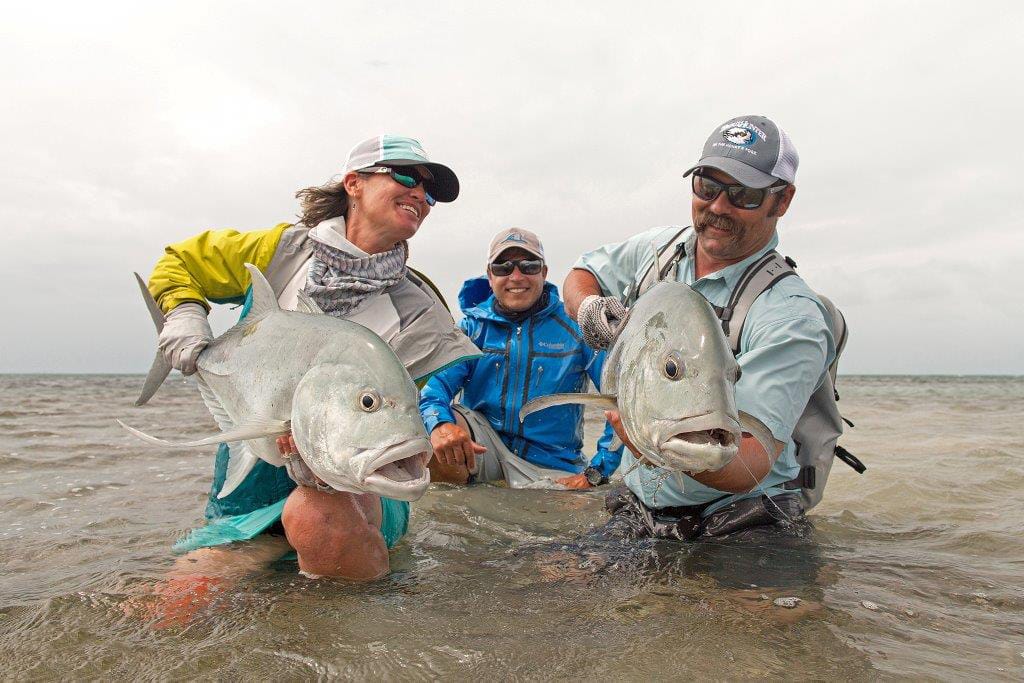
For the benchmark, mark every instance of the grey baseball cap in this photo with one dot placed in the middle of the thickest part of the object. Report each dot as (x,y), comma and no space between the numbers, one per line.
(515,238)
(753,150)
(394,150)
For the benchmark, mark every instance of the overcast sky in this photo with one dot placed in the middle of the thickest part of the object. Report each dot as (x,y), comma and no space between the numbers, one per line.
(127,127)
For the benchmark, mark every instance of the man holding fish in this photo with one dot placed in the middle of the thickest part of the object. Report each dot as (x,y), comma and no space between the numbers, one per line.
(742,185)
(340,505)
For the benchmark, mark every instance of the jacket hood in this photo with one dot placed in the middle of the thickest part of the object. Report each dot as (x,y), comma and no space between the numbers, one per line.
(477,300)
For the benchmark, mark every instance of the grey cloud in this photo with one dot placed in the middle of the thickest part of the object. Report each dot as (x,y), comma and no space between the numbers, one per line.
(128,127)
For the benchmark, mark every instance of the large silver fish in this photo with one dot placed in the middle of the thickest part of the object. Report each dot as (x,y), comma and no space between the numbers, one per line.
(671,375)
(337,386)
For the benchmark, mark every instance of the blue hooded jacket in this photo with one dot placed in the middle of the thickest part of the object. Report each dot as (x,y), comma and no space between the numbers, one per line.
(544,354)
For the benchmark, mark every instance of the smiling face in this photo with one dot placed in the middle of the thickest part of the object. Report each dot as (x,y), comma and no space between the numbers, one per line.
(516,291)
(727,234)
(382,212)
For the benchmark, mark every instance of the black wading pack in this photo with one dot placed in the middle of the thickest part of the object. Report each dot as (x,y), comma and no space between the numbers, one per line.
(820,426)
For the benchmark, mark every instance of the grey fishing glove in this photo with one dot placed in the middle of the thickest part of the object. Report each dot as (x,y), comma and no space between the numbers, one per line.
(599,318)
(186,333)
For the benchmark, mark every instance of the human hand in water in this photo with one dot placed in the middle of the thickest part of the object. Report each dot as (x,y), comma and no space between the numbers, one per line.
(574,481)
(454,447)
(615,420)
(297,468)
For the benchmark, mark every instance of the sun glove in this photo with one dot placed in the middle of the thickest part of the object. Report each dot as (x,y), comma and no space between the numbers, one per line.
(599,318)
(186,333)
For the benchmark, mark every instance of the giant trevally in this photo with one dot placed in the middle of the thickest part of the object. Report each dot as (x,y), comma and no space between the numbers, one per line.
(671,375)
(337,386)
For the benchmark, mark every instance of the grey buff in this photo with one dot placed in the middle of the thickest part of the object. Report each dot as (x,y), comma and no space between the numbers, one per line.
(599,317)
(338,282)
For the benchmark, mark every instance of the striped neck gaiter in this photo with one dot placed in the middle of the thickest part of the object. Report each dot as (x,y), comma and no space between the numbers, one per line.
(338,281)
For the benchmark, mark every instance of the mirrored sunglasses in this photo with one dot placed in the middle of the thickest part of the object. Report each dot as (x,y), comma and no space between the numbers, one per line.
(407,177)
(742,197)
(526,267)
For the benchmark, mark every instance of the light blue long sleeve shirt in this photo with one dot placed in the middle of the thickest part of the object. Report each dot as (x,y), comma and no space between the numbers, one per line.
(786,347)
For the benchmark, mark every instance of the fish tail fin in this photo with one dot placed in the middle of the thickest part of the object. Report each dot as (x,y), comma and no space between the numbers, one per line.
(160,368)
(157,374)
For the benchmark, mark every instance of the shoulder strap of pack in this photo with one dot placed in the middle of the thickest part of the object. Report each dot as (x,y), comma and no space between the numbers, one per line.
(658,270)
(839,332)
(429,283)
(759,276)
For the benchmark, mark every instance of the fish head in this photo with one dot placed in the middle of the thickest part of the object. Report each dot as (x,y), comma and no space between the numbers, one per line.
(358,428)
(676,382)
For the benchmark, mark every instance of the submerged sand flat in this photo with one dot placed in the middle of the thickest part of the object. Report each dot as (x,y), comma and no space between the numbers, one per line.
(913,570)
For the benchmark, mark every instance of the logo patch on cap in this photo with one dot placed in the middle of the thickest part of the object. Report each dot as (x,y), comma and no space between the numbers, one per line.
(743,133)
(515,237)
(739,136)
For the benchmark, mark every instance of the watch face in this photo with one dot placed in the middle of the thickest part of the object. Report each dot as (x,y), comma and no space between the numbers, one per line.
(593,476)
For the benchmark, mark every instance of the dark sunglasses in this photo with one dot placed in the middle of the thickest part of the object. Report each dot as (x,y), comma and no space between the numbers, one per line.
(526,267)
(742,197)
(407,177)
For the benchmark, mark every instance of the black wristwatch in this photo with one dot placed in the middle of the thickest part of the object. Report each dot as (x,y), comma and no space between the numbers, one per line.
(594,476)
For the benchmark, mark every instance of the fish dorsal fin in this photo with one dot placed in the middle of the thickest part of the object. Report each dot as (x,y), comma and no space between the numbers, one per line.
(605,401)
(263,298)
(307,305)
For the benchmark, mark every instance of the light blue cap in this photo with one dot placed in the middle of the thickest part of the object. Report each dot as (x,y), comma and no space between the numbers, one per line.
(394,150)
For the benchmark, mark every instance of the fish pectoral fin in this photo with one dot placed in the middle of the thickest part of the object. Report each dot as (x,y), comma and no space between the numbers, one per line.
(605,401)
(757,429)
(241,460)
(257,429)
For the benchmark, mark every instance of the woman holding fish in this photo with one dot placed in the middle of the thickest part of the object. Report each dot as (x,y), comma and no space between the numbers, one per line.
(346,258)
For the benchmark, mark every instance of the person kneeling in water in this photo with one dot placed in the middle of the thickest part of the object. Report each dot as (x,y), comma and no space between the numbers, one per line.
(531,348)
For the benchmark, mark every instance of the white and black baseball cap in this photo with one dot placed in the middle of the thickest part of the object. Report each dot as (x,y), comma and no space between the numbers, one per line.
(753,150)
(395,150)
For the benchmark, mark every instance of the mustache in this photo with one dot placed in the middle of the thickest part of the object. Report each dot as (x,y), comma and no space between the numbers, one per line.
(713,220)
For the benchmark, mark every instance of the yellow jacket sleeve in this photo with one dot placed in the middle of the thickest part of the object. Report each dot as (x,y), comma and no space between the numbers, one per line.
(211,266)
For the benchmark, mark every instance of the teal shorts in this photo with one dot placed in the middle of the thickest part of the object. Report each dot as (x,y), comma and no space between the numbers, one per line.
(393,525)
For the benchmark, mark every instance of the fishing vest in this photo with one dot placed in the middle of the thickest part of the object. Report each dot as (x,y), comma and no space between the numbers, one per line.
(817,432)
(427,339)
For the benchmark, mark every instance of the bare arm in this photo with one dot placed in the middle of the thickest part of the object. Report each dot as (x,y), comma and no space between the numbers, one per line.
(742,474)
(579,284)
(745,471)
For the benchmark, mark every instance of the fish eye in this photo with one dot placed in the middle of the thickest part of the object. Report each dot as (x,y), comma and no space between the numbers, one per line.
(369,401)
(673,367)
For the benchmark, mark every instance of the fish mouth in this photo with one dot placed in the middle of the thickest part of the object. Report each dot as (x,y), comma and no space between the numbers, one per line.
(399,471)
(699,443)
